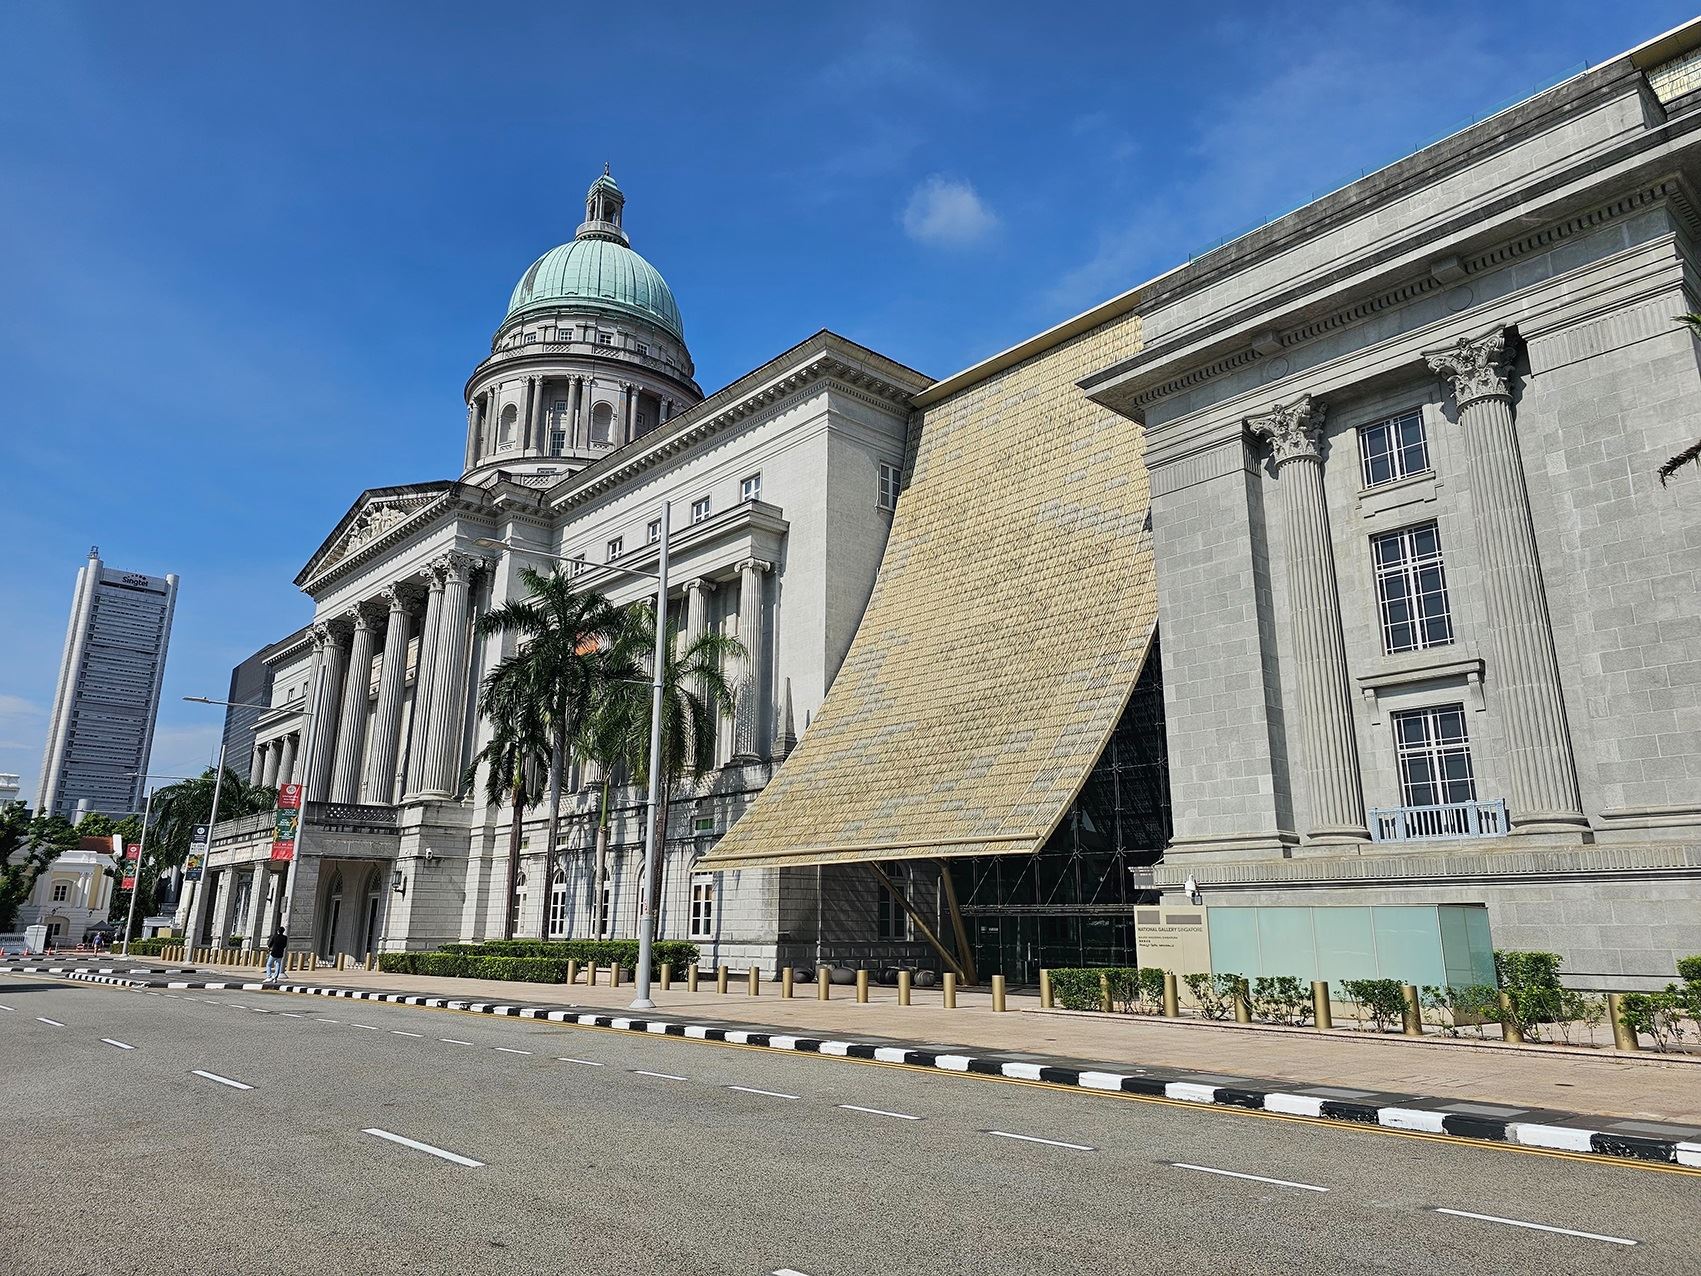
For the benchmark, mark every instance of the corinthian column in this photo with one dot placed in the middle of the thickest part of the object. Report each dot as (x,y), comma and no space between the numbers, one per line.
(1314,607)
(387,716)
(351,726)
(449,679)
(422,678)
(330,659)
(286,763)
(1525,672)
(747,715)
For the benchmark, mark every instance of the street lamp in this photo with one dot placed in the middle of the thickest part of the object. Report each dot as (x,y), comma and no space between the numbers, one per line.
(647,916)
(218,779)
(141,852)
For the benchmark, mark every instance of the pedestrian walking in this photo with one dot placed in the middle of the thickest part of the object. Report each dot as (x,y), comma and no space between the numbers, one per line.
(275,956)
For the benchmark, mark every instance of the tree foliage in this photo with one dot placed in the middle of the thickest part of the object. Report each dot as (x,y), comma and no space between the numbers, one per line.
(28,844)
(179,807)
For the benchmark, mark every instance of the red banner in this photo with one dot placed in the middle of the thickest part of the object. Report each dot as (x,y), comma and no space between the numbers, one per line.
(289,797)
(128,884)
(283,851)
(133,851)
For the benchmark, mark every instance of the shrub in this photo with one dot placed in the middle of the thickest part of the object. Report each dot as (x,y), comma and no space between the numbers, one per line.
(1530,981)
(1689,969)
(1133,990)
(1455,1006)
(1215,994)
(151,947)
(1379,1000)
(1281,999)
(1658,1015)
(1579,1013)
(470,961)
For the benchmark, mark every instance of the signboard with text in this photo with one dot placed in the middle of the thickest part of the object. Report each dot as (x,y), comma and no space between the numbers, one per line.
(286,823)
(200,838)
(133,851)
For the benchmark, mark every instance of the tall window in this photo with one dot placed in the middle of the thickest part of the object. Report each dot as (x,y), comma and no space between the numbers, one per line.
(1411,589)
(1393,449)
(652,533)
(1434,754)
(699,509)
(576,565)
(890,919)
(751,488)
(510,415)
(888,495)
(61,892)
(602,424)
(558,904)
(558,427)
(616,548)
(702,905)
(605,909)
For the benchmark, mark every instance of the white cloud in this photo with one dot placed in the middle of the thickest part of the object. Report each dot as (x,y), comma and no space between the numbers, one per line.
(17,707)
(946,211)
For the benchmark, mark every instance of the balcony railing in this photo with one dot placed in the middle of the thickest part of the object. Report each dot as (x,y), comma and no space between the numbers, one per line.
(1451,821)
(352,817)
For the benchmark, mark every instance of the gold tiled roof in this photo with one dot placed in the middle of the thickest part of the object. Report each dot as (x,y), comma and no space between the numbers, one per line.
(1013,611)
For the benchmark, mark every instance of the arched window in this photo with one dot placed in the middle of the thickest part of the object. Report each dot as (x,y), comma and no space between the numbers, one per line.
(602,424)
(558,903)
(510,415)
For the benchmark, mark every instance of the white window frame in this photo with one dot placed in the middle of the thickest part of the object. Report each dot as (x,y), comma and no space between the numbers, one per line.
(701,509)
(702,906)
(1443,736)
(616,547)
(61,892)
(558,904)
(1415,580)
(750,487)
(605,911)
(652,533)
(578,564)
(887,496)
(1405,459)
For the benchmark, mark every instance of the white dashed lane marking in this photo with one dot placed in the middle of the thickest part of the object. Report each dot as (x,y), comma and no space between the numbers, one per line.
(51,1022)
(454,1041)
(213,1076)
(397,1032)
(511,1050)
(772,1094)
(660,1076)
(446,1155)
(902,1116)
(1256,1178)
(122,1045)
(1055,1143)
(1539,1227)
(589,1063)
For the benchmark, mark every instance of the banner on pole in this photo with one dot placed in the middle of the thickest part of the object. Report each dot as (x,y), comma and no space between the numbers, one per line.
(133,851)
(286,821)
(200,839)
(127,884)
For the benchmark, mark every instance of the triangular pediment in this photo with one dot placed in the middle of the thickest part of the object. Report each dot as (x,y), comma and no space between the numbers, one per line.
(374,515)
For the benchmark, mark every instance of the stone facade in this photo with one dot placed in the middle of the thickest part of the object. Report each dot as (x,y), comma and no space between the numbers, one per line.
(1508,294)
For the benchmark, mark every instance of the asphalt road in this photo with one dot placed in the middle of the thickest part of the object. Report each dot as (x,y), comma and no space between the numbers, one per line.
(230,1132)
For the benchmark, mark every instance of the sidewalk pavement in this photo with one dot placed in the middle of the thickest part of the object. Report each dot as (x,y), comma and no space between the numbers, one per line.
(1643,1087)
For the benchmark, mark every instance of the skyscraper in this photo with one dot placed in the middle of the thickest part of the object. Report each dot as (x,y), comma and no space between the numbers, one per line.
(109,688)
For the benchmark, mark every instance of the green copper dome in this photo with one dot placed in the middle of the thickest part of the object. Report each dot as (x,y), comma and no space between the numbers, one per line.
(599,274)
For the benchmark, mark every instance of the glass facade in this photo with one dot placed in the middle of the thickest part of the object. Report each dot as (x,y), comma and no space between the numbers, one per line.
(1072,903)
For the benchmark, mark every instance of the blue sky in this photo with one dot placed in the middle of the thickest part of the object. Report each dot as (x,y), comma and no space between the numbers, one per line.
(249,254)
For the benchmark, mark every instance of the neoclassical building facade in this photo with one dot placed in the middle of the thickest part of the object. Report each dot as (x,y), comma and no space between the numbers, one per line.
(581,423)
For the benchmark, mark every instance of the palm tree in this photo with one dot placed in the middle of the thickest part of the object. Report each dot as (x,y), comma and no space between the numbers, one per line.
(179,807)
(695,693)
(563,634)
(517,749)
(1692,454)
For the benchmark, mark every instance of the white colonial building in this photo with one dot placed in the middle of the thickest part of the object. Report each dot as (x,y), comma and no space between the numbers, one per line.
(582,422)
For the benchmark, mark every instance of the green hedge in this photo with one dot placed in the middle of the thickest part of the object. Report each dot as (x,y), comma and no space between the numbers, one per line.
(150,947)
(1133,990)
(474,961)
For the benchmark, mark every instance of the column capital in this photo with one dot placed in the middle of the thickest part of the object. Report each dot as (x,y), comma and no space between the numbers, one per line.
(757,565)
(458,565)
(697,585)
(358,616)
(394,598)
(1292,429)
(1476,366)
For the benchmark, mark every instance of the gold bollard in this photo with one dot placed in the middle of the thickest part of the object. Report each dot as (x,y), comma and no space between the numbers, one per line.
(1623,1035)
(342,961)
(786,977)
(1172,996)
(590,974)
(950,983)
(998,992)
(1242,1003)
(823,984)
(614,973)
(754,978)
(572,970)
(721,974)
(1320,1012)
(1509,1028)
(1104,993)
(862,986)
(1045,990)
(666,975)
(1411,1011)
(691,977)
(903,987)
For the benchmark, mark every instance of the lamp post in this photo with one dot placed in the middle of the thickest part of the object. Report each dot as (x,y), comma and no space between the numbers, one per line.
(301,824)
(647,916)
(141,854)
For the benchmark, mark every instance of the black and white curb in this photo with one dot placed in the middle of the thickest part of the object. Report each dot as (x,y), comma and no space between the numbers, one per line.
(1562,1138)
